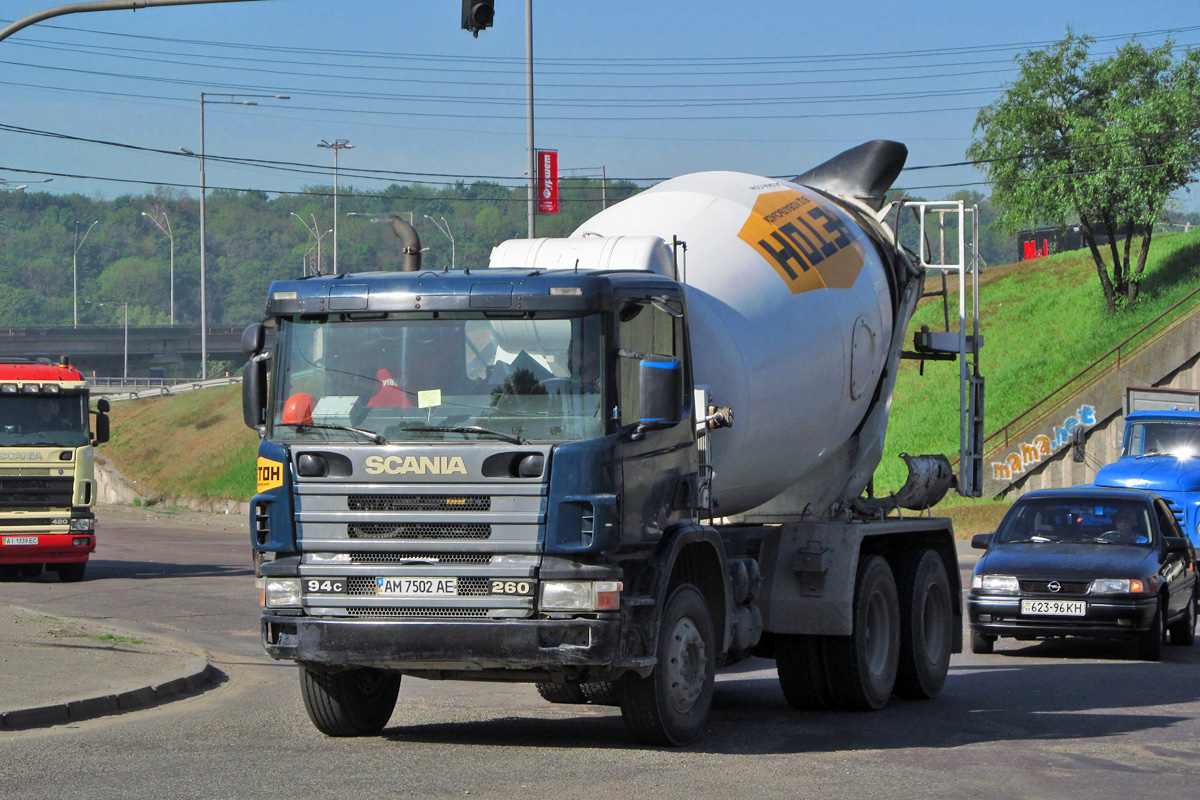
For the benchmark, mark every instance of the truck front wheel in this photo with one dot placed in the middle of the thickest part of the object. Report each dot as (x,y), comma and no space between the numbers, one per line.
(670,705)
(354,702)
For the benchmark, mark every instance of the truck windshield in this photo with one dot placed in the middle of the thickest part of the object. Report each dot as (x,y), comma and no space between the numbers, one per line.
(43,420)
(415,379)
(1163,438)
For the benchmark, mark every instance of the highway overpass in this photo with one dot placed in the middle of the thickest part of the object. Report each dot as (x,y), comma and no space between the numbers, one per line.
(100,350)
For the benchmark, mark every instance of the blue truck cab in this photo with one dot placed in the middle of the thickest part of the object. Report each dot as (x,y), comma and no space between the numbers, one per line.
(1161,453)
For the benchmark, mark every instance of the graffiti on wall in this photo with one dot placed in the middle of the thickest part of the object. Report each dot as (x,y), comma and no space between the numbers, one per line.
(1042,446)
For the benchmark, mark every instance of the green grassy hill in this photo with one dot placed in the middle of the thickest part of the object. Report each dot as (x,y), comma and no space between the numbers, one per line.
(1042,322)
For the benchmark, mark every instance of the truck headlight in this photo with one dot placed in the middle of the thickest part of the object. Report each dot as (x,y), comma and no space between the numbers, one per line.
(581,595)
(281,593)
(996,583)
(83,525)
(1117,586)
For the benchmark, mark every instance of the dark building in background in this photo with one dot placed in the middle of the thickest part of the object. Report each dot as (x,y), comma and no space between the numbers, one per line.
(1039,242)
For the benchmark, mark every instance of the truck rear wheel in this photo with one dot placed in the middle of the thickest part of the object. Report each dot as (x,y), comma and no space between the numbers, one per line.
(30,570)
(569,692)
(861,668)
(355,702)
(926,635)
(601,693)
(670,705)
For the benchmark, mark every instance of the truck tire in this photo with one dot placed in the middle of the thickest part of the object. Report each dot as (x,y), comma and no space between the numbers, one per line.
(1183,632)
(670,705)
(861,668)
(72,573)
(1150,643)
(926,620)
(800,663)
(355,702)
(30,570)
(601,693)
(569,692)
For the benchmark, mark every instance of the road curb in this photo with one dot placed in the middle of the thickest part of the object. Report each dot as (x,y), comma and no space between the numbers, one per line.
(196,675)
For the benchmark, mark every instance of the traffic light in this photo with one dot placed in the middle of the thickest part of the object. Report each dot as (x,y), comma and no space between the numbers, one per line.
(477,15)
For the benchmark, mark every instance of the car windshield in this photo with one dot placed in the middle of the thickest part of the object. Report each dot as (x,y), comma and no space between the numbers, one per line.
(57,420)
(1161,438)
(1079,521)
(444,379)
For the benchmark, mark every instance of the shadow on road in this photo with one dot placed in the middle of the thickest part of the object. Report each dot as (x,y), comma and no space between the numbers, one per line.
(1004,699)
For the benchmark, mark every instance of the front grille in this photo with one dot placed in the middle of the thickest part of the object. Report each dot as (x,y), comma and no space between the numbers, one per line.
(1065,587)
(1177,511)
(419,530)
(26,472)
(417,558)
(36,492)
(418,502)
(443,613)
(467,587)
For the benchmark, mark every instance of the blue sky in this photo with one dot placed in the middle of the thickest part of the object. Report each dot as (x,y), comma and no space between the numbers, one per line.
(646,90)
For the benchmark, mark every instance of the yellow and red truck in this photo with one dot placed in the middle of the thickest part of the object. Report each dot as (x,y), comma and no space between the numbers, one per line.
(47,472)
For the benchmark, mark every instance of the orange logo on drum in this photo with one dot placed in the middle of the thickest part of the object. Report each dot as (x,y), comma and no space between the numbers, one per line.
(804,240)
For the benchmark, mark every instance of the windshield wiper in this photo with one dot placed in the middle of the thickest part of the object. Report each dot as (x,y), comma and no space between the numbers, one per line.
(371,436)
(467,429)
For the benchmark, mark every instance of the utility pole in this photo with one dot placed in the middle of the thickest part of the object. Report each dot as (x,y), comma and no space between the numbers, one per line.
(335,146)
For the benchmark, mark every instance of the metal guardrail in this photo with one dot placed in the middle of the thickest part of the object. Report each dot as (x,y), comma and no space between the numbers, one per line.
(1089,375)
(117,389)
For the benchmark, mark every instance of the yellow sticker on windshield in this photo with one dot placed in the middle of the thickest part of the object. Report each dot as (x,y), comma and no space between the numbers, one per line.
(270,474)
(428,398)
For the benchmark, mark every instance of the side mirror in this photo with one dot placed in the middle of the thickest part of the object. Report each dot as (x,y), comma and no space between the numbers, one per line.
(1078,439)
(660,394)
(253,339)
(254,392)
(982,541)
(1177,544)
(102,405)
(102,431)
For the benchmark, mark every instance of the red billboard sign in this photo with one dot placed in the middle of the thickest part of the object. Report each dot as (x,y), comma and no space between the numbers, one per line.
(547,181)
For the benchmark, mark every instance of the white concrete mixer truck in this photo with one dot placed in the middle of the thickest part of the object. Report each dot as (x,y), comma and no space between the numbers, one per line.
(611,464)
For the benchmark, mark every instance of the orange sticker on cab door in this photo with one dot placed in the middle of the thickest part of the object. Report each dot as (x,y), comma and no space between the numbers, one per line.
(805,240)
(270,474)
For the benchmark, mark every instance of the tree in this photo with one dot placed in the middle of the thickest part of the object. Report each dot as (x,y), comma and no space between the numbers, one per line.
(1106,141)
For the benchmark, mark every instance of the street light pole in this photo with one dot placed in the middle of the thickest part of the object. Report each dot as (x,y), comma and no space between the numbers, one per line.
(203,192)
(75,270)
(335,146)
(445,230)
(316,234)
(167,230)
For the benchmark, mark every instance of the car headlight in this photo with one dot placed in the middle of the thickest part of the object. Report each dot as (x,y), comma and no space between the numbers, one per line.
(581,595)
(995,583)
(1118,586)
(281,593)
(83,524)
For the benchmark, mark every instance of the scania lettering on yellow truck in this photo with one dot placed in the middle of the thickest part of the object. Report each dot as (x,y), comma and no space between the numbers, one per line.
(47,481)
(613,463)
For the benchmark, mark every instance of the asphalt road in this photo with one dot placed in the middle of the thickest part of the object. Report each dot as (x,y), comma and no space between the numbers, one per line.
(1056,720)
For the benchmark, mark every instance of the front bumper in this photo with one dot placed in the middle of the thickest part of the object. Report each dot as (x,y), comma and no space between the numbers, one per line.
(1106,617)
(51,548)
(444,645)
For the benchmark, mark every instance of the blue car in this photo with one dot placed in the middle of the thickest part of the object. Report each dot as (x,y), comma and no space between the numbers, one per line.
(1104,563)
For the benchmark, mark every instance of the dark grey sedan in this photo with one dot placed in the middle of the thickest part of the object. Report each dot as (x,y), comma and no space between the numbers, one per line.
(1085,562)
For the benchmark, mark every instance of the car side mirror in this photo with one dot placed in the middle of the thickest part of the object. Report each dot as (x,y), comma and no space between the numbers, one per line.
(1078,440)
(1177,544)
(982,541)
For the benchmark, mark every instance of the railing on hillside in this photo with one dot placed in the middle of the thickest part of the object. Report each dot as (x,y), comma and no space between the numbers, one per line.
(1089,375)
(134,388)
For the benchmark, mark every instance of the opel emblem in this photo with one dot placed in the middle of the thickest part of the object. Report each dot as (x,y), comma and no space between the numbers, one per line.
(1054,586)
